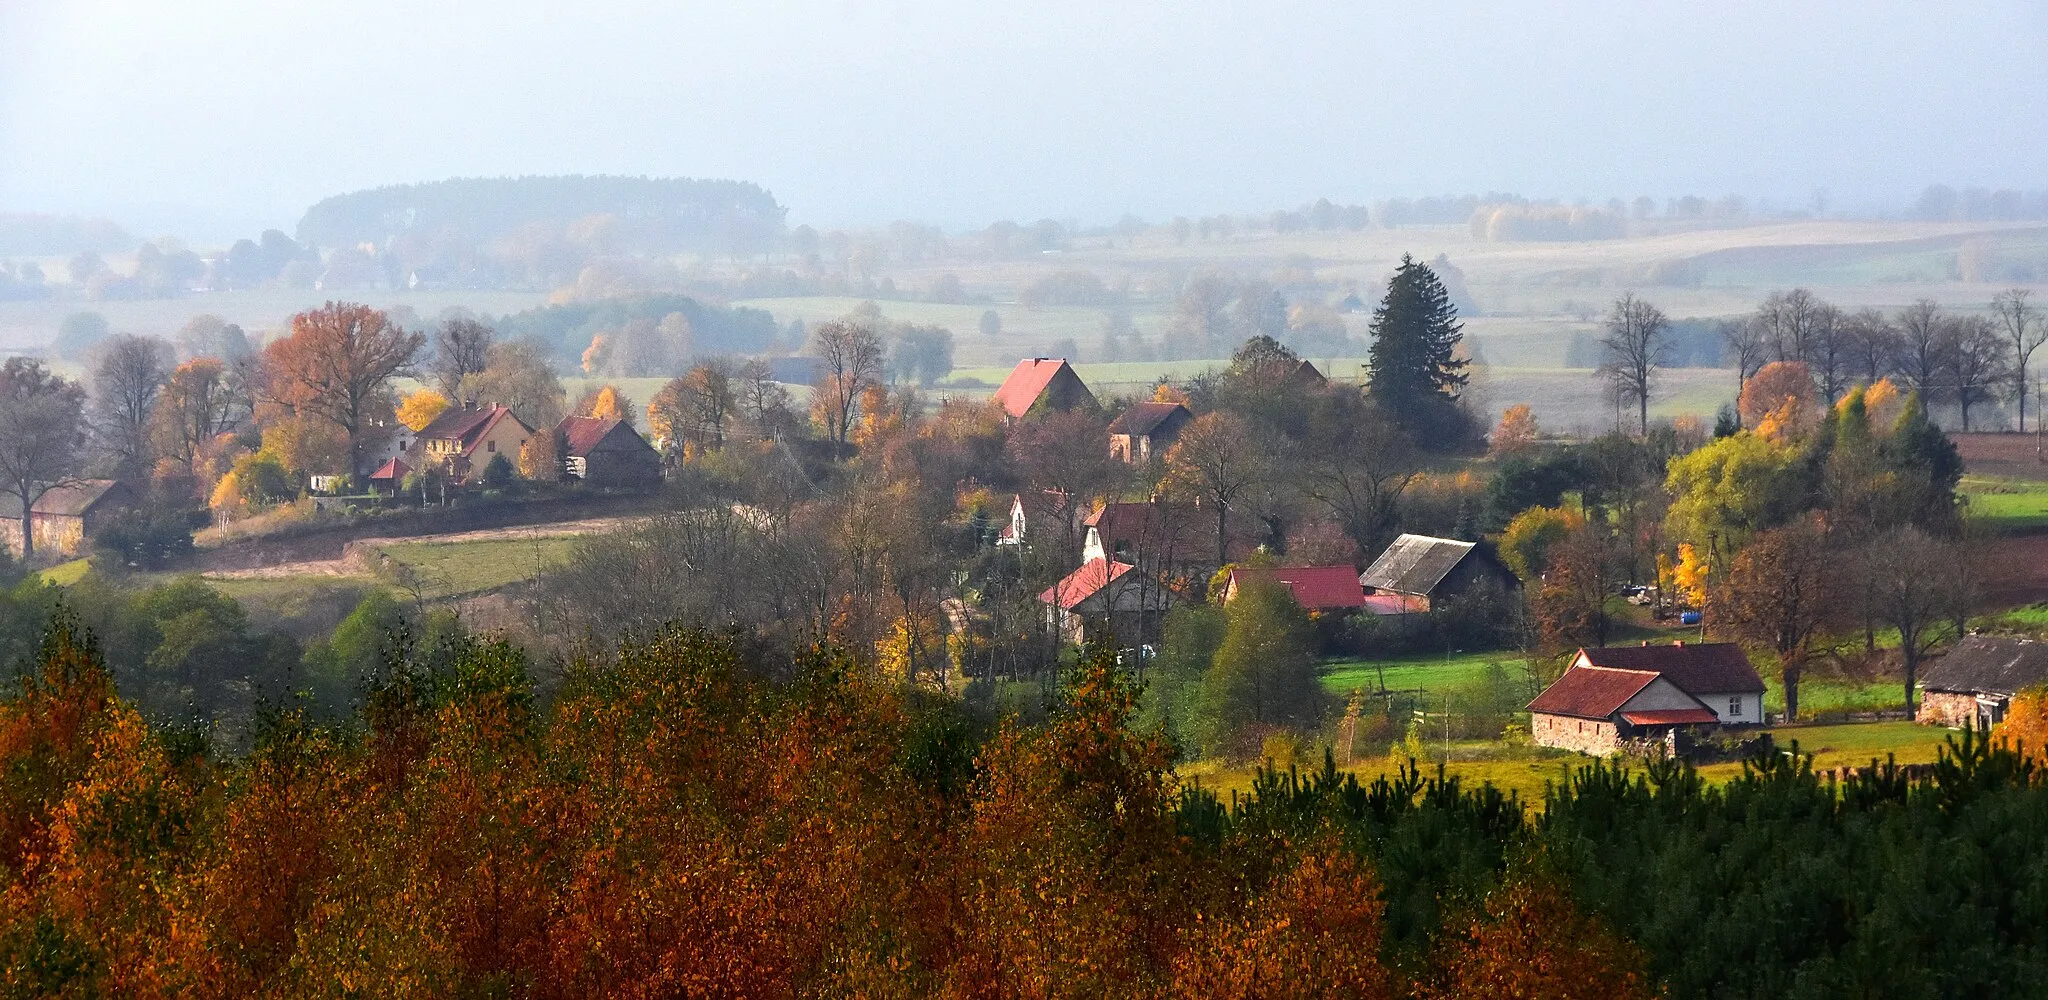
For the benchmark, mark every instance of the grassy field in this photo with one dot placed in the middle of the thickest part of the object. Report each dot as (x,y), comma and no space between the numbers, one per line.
(1430,673)
(2007,504)
(66,573)
(449,569)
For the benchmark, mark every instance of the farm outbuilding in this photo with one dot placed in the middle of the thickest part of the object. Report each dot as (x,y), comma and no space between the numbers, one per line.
(1618,698)
(1973,684)
(1426,570)
(65,516)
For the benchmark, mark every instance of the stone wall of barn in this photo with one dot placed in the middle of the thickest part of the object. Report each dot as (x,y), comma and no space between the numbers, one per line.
(1586,736)
(1948,708)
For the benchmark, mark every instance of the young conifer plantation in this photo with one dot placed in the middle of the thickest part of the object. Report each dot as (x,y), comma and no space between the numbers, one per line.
(671,823)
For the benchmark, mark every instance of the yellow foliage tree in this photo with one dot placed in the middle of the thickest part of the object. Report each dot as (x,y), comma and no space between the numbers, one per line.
(597,354)
(538,458)
(1883,404)
(2026,724)
(1689,577)
(610,404)
(1525,543)
(1167,392)
(1516,432)
(420,408)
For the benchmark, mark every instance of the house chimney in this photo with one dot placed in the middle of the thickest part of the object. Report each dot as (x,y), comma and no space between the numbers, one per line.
(1646,643)
(1678,642)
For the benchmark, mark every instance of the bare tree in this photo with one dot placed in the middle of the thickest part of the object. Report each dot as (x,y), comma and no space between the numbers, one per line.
(128,375)
(1828,349)
(1786,320)
(1978,361)
(2024,332)
(1221,458)
(462,347)
(1745,340)
(1360,476)
(1925,340)
(763,402)
(1870,345)
(852,353)
(1638,343)
(1910,583)
(42,424)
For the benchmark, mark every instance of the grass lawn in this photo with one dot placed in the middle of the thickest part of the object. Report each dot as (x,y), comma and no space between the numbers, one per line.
(1429,672)
(451,569)
(2006,504)
(67,573)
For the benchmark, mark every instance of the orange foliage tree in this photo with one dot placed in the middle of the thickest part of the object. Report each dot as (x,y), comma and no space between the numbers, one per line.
(337,364)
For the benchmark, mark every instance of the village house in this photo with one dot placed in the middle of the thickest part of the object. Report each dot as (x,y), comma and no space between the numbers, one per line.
(65,516)
(463,439)
(1326,589)
(1144,432)
(387,442)
(389,477)
(1013,529)
(1973,683)
(1419,571)
(1631,698)
(1039,385)
(606,452)
(1106,594)
(1155,533)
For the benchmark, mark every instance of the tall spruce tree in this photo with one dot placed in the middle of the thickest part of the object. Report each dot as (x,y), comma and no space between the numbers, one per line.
(1414,371)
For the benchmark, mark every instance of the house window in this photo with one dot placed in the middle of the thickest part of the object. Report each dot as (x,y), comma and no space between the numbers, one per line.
(491,446)
(1735,705)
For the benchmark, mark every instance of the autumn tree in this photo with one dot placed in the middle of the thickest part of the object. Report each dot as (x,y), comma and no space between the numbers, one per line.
(1516,433)
(698,407)
(539,458)
(1784,592)
(338,363)
(418,409)
(606,402)
(462,347)
(852,355)
(1065,467)
(762,403)
(1778,402)
(198,404)
(1637,345)
(127,378)
(1220,458)
(42,426)
(1531,943)
(1571,604)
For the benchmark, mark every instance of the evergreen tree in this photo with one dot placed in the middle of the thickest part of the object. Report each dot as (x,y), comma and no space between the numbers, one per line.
(1927,465)
(1414,370)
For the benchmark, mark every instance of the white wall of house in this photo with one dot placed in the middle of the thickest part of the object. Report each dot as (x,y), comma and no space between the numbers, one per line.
(1737,709)
(1660,695)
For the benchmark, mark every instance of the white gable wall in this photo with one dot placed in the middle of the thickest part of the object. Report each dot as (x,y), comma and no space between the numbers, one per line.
(1660,695)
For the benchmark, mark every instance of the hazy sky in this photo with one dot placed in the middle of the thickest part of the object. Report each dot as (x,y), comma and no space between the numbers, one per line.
(960,113)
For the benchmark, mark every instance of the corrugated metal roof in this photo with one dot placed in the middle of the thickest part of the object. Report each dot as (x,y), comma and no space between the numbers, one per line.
(1989,664)
(1415,564)
(1698,668)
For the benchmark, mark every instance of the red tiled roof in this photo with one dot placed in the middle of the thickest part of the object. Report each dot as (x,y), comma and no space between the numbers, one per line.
(1671,717)
(1143,419)
(1151,527)
(1084,583)
(1026,383)
(1314,587)
(467,427)
(580,434)
(392,469)
(1698,668)
(1591,692)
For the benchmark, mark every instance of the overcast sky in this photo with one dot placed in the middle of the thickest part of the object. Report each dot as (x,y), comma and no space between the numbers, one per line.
(961,113)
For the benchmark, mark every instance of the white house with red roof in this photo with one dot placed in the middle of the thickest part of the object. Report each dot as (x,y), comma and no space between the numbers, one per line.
(1037,385)
(1617,697)
(464,439)
(1105,594)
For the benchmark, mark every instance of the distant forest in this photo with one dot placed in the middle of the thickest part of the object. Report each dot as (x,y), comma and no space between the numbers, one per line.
(639,214)
(28,234)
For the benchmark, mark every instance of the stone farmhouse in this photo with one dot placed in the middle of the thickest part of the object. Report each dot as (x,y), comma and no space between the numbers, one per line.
(1631,698)
(1973,684)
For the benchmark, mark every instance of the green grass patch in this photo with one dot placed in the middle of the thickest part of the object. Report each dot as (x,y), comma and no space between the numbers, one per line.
(66,573)
(1432,673)
(2006,504)
(449,569)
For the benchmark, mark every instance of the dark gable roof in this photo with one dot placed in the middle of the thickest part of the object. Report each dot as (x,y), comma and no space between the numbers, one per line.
(1989,664)
(1143,419)
(73,499)
(1698,668)
(580,435)
(457,423)
(1591,692)
(1415,564)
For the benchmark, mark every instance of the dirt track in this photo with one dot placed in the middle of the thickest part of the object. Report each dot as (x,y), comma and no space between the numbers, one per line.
(352,563)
